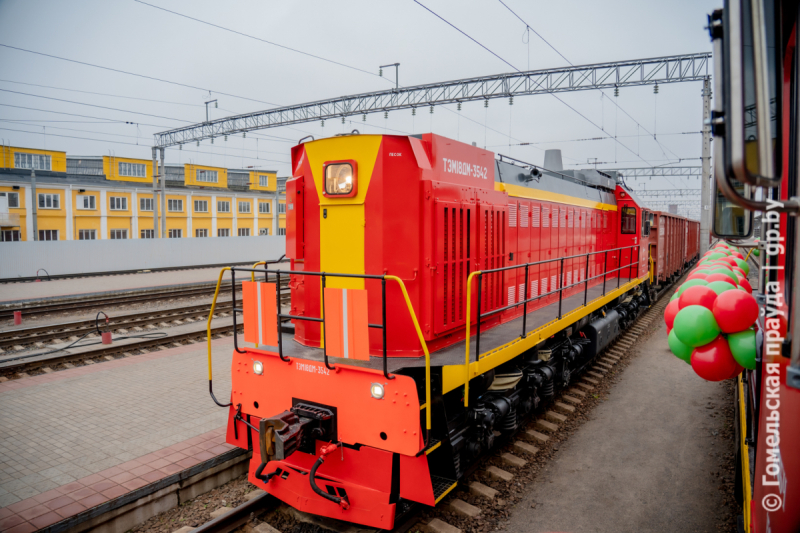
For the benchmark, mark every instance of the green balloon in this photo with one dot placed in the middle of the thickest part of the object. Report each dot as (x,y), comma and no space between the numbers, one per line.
(691,283)
(743,348)
(756,252)
(741,263)
(676,295)
(679,350)
(727,272)
(695,326)
(716,255)
(702,271)
(720,286)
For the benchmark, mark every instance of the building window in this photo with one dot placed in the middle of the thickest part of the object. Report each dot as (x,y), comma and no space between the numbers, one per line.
(628,220)
(244,207)
(133,170)
(148,234)
(145,204)
(49,201)
(118,203)
(87,234)
(175,234)
(13,198)
(244,232)
(223,206)
(263,231)
(86,201)
(281,231)
(48,234)
(201,206)
(282,208)
(263,181)
(208,176)
(223,232)
(118,234)
(263,208)
(9,235)
(31,161)
(175,206)
(201,233)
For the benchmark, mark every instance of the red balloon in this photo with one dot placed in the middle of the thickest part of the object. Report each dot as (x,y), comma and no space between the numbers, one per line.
(738,255)
(739,271)
(731,261)
(714,361)
(735,312)
(697,275)
(746,286)
(670,312)
(738,370)
(698,295)
(719,277)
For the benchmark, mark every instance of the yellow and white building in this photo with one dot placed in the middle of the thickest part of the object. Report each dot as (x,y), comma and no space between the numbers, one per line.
(112,197)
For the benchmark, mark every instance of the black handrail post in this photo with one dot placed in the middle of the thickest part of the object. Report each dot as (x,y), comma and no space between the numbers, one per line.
(324,329)
(478,332)
(630,265)
(586,281)
(383,311)
(619,268)
(233,308)
(525,302)
(560,287)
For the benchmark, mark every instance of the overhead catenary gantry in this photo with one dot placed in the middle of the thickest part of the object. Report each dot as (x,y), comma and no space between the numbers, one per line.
(616,74)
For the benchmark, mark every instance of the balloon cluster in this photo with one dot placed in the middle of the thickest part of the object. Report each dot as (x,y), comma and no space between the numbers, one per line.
(711,317)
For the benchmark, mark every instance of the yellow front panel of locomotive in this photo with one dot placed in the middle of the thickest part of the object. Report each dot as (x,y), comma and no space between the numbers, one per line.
(342,220)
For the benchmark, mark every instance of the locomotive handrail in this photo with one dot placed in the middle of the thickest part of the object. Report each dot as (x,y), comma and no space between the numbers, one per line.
(208,337)
(424,349)
(524,302)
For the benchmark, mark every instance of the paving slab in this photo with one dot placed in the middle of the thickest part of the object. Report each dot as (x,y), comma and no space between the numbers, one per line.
(106,429)
(642,463)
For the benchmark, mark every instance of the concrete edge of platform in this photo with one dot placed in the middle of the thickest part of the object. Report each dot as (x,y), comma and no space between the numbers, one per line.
(87,295)
(126,511)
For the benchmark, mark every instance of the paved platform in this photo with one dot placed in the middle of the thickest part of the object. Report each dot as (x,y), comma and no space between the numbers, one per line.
(644,460)
(97,285)
(73,439)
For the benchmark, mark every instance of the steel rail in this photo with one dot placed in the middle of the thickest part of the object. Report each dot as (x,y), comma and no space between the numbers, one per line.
(611,75)
(110,349)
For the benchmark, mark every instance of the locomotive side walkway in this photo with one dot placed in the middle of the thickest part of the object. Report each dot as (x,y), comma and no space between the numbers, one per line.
(104,285)
(73,439)
(644,460)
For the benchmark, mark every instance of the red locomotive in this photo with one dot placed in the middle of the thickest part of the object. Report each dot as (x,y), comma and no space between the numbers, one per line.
(401,249)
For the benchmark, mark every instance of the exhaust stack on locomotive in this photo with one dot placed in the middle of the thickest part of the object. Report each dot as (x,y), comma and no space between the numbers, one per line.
(365,396)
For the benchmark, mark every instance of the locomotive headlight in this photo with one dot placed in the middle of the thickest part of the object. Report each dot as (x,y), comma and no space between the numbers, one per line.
(258,368)
(376,390)
(340,179)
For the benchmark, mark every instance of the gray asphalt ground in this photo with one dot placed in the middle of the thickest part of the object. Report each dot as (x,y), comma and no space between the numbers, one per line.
(644,462)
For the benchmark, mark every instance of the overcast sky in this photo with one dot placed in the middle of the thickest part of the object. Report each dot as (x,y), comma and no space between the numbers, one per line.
(135,37)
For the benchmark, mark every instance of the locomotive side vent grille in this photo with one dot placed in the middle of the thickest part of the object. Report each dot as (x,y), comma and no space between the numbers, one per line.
(452,261)
(523,216)
(512,215)
(570,217)
(511,295)
(544,285)
(535,216)
(563,217)
(534,288)
(545,217)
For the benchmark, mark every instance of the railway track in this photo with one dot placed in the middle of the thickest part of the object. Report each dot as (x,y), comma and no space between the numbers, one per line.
(55,333)
(128,298)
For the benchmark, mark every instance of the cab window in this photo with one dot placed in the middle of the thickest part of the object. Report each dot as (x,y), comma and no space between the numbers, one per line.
(645,224)
(628,220)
